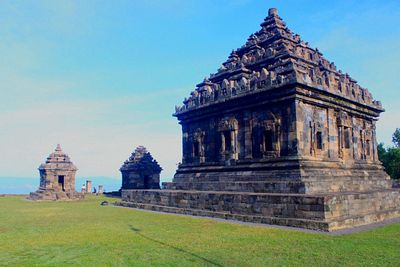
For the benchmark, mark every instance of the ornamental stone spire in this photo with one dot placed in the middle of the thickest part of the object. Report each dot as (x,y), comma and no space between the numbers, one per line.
(287,59)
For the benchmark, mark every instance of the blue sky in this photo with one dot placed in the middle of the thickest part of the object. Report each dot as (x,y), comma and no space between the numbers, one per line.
(102,77)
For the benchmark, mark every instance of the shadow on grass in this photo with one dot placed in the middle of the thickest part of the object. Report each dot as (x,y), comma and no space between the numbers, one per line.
(138,232)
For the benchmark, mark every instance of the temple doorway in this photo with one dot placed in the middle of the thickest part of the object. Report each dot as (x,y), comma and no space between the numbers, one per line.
(61,180)
(268,141)
(146,182)
(228,141)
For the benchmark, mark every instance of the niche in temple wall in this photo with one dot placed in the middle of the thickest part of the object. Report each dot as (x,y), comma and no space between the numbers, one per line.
(313,131)
(363,139)
(193,144)
(198,146)
(345,135)
(185,143)
(266,135)
(228,129)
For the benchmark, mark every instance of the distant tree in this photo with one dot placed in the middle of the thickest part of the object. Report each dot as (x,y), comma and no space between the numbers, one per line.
(381,152)
(393,162)
(396,138)
(390,157)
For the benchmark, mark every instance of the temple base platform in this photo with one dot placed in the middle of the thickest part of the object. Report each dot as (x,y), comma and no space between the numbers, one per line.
(325,212)
(324,196)
(53,195)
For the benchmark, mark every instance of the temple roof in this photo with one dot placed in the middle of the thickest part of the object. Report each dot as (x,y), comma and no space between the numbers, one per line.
(58,160)
(271,58)
(141,159)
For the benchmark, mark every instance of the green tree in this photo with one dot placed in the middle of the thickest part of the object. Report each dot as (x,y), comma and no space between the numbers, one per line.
(390,157)
(381,152)
(396,138)
(393,162)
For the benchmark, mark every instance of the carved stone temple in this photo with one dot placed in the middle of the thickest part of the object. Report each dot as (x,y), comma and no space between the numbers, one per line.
(140,171)
(280,136)
(57,178)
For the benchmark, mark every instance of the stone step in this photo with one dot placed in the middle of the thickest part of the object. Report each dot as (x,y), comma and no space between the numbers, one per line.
(241,186)
(245,203)
(284,186)
(319,225)
(301,223)
(363,219)
(258,176)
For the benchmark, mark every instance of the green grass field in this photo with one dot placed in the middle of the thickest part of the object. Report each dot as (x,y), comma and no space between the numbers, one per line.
(87,234)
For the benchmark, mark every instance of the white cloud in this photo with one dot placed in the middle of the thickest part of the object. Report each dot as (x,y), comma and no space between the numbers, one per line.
(28,135)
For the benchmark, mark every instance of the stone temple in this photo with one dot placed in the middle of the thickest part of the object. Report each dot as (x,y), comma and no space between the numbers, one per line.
(280,136)
(140,171)
(57,178)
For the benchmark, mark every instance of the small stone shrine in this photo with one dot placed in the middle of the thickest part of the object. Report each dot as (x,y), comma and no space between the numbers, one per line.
(57,178)
(140,171)
(280,136)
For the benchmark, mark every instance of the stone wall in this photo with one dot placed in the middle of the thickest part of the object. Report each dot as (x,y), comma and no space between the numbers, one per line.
(266,131)
(318,212)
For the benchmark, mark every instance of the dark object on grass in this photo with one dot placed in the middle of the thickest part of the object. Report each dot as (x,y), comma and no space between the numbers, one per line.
(104,203)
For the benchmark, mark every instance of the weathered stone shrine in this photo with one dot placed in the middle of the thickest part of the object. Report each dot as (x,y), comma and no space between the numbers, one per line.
(140,171)
(57,178)
(278,135)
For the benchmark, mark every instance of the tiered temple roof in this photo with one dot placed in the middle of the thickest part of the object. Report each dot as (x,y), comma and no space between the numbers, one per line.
(141,159)
(271,58)
(58,160)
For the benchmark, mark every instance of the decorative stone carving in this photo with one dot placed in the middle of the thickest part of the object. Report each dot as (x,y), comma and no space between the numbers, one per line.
(307,66)
(271,138)
(228,129)
(198,146)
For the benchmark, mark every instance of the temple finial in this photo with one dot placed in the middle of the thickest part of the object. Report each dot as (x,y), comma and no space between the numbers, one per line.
(273,12)
(58,148)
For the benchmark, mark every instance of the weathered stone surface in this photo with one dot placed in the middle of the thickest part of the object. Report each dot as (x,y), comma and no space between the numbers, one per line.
(327,212)
(57,178)
(278,135)
(88,187)
(141,171)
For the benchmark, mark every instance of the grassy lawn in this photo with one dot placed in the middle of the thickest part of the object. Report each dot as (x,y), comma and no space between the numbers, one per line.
(87,234)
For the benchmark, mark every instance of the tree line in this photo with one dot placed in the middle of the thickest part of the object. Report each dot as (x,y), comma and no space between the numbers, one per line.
(390,157)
